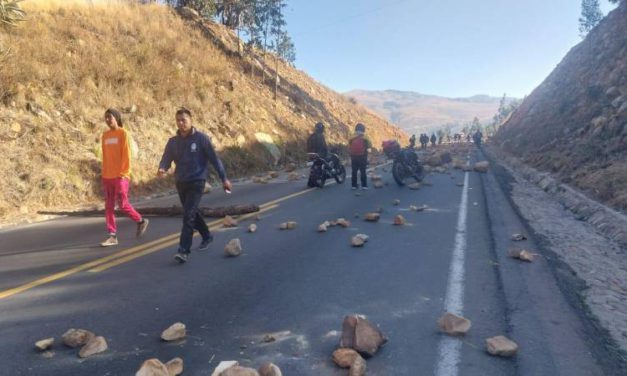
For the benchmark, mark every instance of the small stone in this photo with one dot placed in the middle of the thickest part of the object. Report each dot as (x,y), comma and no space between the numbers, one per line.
(290,225)
(153,367)
(460,184)
(482,166)
(239,371)
(361,335)
(293,176)
(343,222)
(76,337)
(274,174)
(233,248)
(174,333)
(94,346)
(454,325)
(344,357)
(501,346)
(175,366)
(414,186)
(396,202)
(16,128)
(322,228)
(252,227)
(372,217)
(44,344)
(223,366)
(363,237)
(375,177)
(357,241)
(229,221)
(290,167)
(399,220)
(269,369)
(268,338)
(48,354)
(521,254)
(260,180)
(378,184)
(358,368)
(518,237)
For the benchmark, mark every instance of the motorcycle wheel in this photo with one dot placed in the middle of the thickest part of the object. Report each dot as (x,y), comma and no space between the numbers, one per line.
(399,172)
(318,176)
(340,174)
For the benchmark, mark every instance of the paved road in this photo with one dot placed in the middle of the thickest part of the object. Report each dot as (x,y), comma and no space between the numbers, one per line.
(297,284)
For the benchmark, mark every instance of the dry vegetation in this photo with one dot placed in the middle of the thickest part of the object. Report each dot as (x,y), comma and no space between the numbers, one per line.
(63,67)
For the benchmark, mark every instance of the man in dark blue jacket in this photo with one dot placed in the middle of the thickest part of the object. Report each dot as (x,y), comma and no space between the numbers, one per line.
(191,151)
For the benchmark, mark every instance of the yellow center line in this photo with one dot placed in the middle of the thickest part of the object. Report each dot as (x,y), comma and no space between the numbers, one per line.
(161,246)
(138,251)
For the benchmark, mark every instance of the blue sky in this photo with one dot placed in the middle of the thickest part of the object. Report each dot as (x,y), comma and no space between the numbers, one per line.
(453,48)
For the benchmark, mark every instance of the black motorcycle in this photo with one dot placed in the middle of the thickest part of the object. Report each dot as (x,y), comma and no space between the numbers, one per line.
(406,165)
(322,169)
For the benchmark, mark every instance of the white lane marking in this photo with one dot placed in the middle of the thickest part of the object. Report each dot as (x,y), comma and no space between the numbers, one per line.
(449,349)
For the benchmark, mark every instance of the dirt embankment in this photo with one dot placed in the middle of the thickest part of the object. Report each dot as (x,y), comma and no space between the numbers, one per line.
(574,124)
(62,68)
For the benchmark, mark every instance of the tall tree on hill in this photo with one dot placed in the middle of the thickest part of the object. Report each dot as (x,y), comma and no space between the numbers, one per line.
(591,15)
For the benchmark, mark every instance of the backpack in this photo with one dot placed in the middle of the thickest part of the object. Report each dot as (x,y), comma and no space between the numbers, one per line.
(357,146)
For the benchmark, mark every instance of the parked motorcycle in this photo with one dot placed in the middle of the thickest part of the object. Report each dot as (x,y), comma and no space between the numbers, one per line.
(406,165)
(323,169)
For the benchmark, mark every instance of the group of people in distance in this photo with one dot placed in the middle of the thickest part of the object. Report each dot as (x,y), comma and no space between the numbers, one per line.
(190,150)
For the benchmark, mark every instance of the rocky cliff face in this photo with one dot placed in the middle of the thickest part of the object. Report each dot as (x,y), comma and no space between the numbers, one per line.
(574,124)
(67,64)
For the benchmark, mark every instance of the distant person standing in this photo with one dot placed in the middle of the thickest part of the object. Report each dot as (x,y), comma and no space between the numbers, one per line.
(358,147)
(433,139)
(116,172)
(477,137)
(191,151)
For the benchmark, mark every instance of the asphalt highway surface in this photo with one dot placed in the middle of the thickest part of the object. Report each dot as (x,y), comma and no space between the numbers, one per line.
(296,285)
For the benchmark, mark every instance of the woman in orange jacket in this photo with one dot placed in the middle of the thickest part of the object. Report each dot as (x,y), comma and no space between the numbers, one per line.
(116,171)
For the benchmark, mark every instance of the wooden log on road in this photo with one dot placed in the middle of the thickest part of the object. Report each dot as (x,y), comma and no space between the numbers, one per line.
(172,211)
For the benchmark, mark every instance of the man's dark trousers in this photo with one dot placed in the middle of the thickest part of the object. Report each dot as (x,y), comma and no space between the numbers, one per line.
(358,163)
(190,194)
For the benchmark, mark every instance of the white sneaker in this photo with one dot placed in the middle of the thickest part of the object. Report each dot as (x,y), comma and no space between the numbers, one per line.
(111,241)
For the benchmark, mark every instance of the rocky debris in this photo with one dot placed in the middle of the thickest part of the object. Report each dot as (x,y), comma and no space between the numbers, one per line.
(501,346)
(466,168)
(290,167)
(233,248)
(518,237)
(372,217)
(273,174)
(414,186)
(229,221)
(358,368)
(223,366)
(344,357)
(289,225)
(252,227)
(460,184)
(357,241)
(268,338)
(77,337)
(482,166)
(361,335)
(322,227)
(378,184)
(375,178)
(454,325)
(396,202)
(445,157)
(399,220)
(521,254)
(44,344)
(269,369)
(239,371)
(458,164)
(153,367)
(175,366)
(174,333)
(293,176)
(94,346)
(260,180)
(48,354)
(343,222)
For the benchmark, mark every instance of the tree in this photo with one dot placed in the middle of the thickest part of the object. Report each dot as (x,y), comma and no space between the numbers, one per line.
(206,8)
(591,15)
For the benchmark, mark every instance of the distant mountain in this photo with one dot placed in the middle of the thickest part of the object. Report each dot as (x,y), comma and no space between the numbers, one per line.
(416,113)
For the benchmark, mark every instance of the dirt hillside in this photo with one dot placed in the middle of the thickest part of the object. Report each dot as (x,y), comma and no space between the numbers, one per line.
(574,124)
(63,67)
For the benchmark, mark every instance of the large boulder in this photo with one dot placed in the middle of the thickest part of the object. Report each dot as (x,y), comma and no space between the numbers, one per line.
(361,335)
(269,369)
(233,248)
(94,346)
(344,357)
